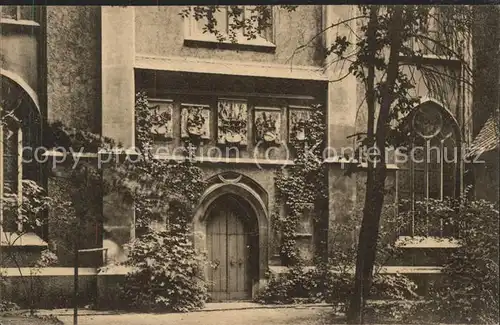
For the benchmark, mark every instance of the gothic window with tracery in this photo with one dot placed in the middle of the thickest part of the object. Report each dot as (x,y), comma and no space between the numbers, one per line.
(432,170)
(20,135)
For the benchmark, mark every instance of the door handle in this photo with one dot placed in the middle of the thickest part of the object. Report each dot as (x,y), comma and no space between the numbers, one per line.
(233,263)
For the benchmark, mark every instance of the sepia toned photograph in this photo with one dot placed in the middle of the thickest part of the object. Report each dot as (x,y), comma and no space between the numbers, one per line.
(234,164)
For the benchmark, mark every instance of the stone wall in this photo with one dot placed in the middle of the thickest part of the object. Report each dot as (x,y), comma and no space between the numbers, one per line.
(49,291)
(88,206)
(487,177)
(19,52)
(73,66)
(160,31)
(486,37)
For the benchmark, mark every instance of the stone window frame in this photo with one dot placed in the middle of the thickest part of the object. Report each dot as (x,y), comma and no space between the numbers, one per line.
(19,19)
(19,170)
(26,131)
(442,241)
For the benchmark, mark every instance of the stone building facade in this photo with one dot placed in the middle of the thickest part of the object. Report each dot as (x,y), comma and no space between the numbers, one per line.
(84,65)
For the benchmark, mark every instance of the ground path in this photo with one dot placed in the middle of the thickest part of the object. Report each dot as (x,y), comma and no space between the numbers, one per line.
(214,314)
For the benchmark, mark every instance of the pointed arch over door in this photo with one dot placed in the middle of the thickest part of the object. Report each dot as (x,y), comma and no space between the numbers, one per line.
(255,209)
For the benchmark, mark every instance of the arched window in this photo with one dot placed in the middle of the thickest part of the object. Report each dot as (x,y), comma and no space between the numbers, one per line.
(432,170)
(20,134)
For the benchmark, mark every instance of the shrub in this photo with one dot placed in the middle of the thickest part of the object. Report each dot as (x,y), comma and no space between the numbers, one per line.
(393,287)
(277,291)
(331,285)
(6,306)
(338,288)
(299,284)
(167,275)
(388,311)
(469,291)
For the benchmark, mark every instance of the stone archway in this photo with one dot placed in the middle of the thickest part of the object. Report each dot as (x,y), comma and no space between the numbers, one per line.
(247,195)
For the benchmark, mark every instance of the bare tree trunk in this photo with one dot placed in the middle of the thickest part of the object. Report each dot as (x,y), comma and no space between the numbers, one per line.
(376,173)
(355,308)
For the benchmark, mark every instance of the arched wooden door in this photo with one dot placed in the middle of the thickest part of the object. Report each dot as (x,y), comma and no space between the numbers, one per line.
(229,245)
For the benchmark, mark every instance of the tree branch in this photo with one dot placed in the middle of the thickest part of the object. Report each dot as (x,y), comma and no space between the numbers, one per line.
(454,55)
(321,32)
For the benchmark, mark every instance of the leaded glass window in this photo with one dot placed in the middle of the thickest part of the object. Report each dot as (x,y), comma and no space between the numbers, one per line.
(432,169)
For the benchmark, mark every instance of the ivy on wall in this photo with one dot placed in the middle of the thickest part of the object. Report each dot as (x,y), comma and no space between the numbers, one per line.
(301,185)
(168,271)
(179,182)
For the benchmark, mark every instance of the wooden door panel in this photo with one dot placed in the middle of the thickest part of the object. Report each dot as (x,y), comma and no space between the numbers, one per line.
(236,258)
(217,253)
(227,247)
(238,267)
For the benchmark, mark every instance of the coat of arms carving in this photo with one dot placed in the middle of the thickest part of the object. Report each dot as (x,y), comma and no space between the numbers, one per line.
(195,121)
(232,122)
(162,121)
(267,125)
(298,124)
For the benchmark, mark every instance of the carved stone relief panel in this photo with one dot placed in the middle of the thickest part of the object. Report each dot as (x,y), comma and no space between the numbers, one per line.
(162,119)
(298,116)
(267,122)
(232,121)
(195,121)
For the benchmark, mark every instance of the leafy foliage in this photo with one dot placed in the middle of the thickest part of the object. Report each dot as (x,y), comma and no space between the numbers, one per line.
(167,275)
(27,214)
(298,284)
(249,24)
(168,272)
(468,292)
(326,282)
(58,136)
(301,185)
(28,210)
(162,190)
(6,306)
(393,287)
(332,281)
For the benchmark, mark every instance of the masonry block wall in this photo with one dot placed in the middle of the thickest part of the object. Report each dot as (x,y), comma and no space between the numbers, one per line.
(73,91)
(73,66)
(486,36)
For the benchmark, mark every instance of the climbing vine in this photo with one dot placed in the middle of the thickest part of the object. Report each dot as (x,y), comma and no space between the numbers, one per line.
(301,185)
(166,181)
(168,273)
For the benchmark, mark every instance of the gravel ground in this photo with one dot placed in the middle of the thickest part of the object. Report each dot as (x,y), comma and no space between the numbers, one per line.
(11,320)
(275,316)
